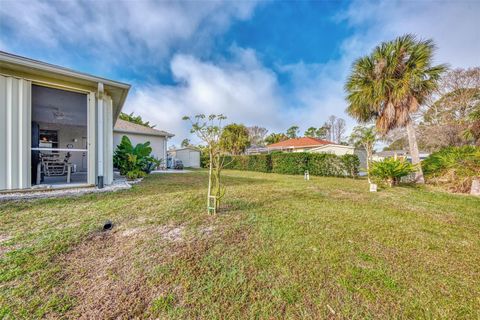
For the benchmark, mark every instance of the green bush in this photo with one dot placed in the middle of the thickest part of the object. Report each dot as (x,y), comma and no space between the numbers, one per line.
(128,158)
(290,163)
(259,163)
(351,164)
(325,164)
(453,167)
(318,164)
(135,174)
(204,159)
(390,170)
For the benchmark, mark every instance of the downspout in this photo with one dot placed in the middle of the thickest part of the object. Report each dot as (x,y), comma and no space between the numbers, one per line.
(165,151)
(100,131)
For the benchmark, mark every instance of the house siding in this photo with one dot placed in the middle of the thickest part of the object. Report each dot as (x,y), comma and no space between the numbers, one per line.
(15,135)
(15,113)
(157,143)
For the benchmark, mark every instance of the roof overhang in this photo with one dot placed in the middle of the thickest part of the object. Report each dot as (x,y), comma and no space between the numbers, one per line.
(42,72)
(160,134)
(185,148)
(341,146)
(296,147)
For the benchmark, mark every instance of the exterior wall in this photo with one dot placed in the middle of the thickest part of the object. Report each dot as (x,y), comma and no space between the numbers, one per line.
(339,151)
(158,144)
(299,149)
(15,133)
(190,158)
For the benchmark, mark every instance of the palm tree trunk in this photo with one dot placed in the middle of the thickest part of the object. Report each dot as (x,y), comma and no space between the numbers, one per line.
(412,143)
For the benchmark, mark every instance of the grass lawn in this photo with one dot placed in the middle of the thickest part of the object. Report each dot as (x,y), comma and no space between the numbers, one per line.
(281,248)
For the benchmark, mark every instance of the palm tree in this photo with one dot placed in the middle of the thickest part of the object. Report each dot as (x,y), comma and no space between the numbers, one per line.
(390,84)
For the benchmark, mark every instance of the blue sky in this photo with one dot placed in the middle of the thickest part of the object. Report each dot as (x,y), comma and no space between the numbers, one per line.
(267,63)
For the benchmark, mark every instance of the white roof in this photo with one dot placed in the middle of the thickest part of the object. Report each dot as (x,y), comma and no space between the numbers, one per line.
(186,148)
(129,127)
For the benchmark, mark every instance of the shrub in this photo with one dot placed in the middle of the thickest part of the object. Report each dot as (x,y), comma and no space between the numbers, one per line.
(290,163)
(324,164)
(135,174)
(133,159)
(259,163)
(351,164)
(204,159)
(453,167)
(390,170)
(319,164)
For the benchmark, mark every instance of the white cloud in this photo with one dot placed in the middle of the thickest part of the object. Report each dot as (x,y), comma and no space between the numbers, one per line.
(250,93)
(241,89)
(453,25)
(143,32)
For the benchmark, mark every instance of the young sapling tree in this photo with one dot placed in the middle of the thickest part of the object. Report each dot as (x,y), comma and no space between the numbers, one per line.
(209,130)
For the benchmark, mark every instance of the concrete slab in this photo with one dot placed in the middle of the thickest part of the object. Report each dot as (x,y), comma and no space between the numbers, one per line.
(171,171)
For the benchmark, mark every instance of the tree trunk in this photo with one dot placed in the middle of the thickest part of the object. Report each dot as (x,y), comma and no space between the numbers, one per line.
(412,142)
(209,180)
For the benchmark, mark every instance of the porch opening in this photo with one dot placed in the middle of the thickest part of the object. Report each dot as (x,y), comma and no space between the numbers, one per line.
(59,137)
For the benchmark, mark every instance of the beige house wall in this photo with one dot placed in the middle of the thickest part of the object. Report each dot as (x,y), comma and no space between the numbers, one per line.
(15,136)
(158,143)
(15,132)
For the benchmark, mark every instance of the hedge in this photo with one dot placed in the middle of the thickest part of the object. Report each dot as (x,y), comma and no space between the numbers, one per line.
(290,163)
(325,164)
(259,163)
(318,164)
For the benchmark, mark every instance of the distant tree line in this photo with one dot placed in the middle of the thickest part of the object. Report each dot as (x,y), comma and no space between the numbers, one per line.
(449,117)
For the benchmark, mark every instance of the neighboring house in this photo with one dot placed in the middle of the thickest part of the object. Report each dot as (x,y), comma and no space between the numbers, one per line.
(189,156)
(341,150)
(307,144)
(141,134)
(55,120)
(397,154)
(297,144)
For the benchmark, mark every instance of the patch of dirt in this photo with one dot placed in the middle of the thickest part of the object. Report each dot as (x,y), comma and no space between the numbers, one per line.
(4,249)
(170,233)
(4,238)
(345,195)
(108,273)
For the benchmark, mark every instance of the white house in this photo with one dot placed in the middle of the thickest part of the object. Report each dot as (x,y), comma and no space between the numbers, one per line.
(302,144)
(341,150)
(141,134)
(402,154)
(55,120)
(189,156)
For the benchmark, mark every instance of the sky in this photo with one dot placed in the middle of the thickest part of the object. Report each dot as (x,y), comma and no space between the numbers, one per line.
(268,63)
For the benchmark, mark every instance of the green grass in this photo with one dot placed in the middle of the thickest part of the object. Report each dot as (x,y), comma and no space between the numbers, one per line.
(281,247)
